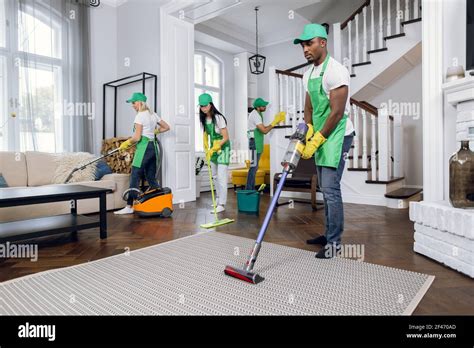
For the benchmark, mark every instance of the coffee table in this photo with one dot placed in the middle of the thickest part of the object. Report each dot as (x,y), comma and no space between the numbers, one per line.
(48,225)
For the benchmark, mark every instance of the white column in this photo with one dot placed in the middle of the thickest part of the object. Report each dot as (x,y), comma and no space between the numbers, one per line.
(432,72)
(383,139)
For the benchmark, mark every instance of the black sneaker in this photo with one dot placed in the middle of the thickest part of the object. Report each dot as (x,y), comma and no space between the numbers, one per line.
(321,240)
(328,252)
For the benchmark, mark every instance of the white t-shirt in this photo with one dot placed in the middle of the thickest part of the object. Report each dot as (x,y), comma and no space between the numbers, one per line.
(149,121)
(220,123)
(336,75)
(254,120)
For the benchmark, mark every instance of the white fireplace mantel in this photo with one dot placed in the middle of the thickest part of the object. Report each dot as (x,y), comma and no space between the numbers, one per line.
(459,91)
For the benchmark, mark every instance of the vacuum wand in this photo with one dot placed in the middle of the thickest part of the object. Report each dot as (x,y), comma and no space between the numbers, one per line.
(289,163)
(88,164)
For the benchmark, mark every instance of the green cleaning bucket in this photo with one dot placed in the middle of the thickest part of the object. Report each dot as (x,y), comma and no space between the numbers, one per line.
(248,201)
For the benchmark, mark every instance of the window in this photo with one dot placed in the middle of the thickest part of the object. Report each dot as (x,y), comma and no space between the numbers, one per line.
(207,79)
(30,77)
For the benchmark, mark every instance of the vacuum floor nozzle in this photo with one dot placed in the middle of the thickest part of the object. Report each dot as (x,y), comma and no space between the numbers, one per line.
(244,275)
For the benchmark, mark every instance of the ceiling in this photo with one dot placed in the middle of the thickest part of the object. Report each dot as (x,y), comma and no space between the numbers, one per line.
(230,24)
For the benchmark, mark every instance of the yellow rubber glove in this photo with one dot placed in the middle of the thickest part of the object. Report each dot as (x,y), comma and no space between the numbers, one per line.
(216,148)
(280,117)
(312,145)
(125,145)
(157,131)
(205,141)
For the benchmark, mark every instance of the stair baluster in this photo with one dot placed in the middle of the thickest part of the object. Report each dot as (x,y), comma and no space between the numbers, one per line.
(398,18)
(373,148)
(372,26)
(364,43)
(389,19)
(349,31)
(356,138)
(380,24)
(364,138)
(293,103)
(415,9)
(407,10)
(357,42)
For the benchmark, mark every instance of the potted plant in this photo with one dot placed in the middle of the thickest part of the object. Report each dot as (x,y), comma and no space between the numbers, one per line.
(198,167)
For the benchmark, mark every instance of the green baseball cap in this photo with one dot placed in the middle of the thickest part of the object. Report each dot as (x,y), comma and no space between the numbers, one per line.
(311,31)
(137,97)
(205,99)
(259,102)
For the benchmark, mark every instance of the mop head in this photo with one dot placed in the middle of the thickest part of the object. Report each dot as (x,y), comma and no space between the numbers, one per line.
(242,274)
(217,223)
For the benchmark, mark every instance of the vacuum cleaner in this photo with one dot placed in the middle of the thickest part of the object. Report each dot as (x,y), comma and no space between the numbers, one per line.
(157,202)
(289,163)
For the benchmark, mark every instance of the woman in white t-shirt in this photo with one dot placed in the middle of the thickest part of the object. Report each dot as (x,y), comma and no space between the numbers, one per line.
(147,125)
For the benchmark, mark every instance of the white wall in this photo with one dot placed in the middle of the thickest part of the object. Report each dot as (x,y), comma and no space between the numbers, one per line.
(408,89)
(103,60)
(283,56)
(227,60)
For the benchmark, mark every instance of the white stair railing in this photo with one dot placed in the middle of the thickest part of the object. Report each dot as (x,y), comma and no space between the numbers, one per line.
(384,141)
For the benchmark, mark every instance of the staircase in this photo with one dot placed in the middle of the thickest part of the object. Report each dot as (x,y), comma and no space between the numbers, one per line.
(372,44)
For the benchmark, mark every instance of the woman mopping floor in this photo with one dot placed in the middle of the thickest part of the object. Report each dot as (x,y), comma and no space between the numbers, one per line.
(147,125)
(214,126)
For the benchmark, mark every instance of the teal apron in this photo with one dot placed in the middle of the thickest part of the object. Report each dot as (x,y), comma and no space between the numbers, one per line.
(329,153)
(224,156)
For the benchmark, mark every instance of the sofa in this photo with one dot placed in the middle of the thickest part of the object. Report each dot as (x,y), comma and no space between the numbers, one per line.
(31,168)
(239,176)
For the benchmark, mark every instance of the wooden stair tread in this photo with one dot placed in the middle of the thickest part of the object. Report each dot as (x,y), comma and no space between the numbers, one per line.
(378,50)
(389,181)
(394,36)
(403,193)
(411,21)
(359,169)
(363,63)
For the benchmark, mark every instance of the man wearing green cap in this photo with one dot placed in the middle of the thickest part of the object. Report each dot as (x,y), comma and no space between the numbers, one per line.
(330,132)
(255,133)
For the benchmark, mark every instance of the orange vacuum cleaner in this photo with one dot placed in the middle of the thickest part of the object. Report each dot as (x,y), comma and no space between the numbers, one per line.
(153,202)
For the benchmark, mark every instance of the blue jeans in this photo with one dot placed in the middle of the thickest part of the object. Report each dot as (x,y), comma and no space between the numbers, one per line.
(329,180)
(148,169)
(252,173)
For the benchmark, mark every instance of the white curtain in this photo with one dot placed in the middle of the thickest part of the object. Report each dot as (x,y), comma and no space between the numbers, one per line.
(55,112)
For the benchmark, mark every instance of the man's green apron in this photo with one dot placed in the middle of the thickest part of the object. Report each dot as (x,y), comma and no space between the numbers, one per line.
(224,156)
(141,149)
(329,153)
(259,141)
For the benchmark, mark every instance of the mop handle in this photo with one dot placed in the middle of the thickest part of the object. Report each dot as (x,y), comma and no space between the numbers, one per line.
(212,188)
(273,203)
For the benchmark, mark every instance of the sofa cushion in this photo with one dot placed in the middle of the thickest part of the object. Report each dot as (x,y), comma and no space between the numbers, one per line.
(41,167)
(67,162)
(13,168)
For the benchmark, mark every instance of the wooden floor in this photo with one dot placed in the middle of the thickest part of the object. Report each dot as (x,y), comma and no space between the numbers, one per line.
(387,236)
